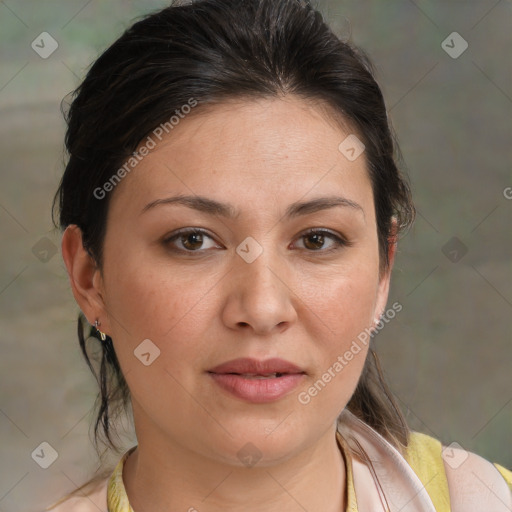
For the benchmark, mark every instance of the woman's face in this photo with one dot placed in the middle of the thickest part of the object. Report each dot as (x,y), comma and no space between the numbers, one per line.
(250,285)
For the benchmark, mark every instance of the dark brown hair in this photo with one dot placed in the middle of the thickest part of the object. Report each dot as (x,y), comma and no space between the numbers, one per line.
(213,51)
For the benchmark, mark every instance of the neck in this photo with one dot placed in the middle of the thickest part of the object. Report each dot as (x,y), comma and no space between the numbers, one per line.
(162,475)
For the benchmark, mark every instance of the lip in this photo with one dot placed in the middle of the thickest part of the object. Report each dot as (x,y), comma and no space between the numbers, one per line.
(255,366)
(233,377)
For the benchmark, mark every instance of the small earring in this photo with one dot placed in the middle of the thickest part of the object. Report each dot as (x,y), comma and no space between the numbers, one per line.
(103,336)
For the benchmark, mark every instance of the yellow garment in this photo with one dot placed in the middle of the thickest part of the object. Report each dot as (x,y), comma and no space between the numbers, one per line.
(423,455)
(117,498)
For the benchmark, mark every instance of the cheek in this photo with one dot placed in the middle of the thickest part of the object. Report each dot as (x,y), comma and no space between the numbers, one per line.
(168,309)
(152,301)
(341,308)
(342,298)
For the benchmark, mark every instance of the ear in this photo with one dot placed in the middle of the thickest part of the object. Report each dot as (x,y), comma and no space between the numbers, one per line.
(84,276)
(385,278)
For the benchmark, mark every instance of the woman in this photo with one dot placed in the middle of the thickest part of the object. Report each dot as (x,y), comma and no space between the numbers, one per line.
(231,209)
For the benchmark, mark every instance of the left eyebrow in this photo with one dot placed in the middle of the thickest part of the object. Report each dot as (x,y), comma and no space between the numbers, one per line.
(216,208)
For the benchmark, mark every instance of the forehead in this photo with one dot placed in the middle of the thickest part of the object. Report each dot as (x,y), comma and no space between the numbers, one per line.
(262,150)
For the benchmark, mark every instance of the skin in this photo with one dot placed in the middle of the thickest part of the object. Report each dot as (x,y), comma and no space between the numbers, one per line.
(296,301)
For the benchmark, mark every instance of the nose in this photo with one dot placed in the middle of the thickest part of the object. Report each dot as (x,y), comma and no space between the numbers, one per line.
(261,295)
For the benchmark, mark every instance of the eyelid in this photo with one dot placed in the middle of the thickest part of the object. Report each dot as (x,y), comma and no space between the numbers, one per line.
(325,231)
(339,239)
(185,231)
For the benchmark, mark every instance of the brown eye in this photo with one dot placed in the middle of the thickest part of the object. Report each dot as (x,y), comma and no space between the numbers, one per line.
(316,239)
(189,240)
(192,241)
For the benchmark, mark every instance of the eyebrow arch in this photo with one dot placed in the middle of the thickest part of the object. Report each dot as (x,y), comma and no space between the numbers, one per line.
(212,207)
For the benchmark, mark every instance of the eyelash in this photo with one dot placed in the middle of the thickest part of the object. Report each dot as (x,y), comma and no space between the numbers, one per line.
(339,241)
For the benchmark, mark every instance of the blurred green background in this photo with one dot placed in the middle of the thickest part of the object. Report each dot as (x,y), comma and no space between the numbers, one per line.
(447,355)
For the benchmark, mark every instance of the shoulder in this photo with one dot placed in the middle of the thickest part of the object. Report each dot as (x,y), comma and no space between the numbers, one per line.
(91,499)
(473,479)
(454,476)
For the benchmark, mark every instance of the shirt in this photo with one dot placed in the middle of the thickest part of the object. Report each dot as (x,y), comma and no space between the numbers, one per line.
(418,477)
(424,455)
